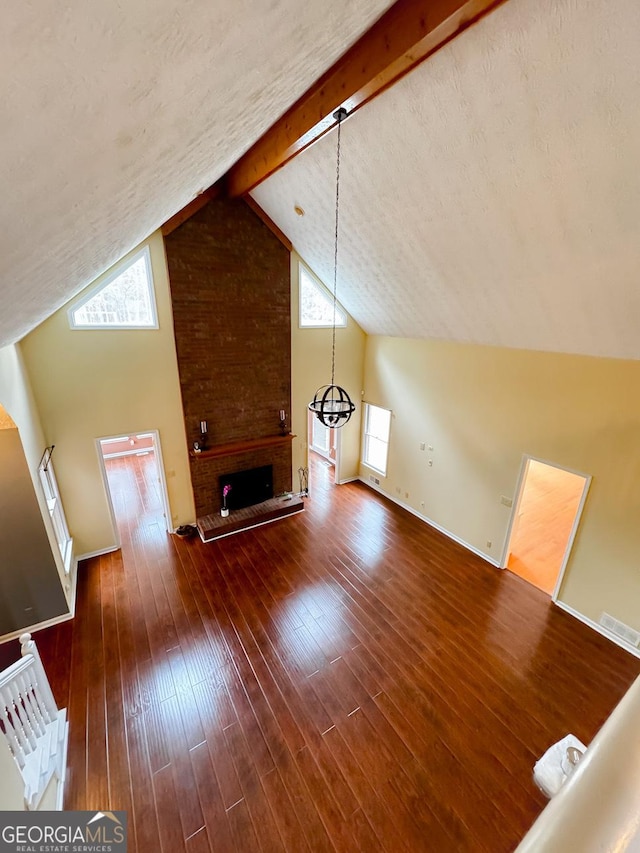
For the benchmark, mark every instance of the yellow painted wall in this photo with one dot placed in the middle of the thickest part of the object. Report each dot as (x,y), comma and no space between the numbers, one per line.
(311,368)
(481,408)
(16,397)
(98,383)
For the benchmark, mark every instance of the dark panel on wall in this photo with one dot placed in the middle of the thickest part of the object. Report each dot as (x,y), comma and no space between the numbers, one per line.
(30,589)
(230,289)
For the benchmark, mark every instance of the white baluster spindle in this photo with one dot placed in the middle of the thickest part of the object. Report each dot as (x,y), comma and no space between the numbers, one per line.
(7,723)
(43,692)
(22,723)
(30,701)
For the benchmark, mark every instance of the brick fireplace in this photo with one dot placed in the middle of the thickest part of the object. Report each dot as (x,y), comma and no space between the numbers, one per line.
(230,291)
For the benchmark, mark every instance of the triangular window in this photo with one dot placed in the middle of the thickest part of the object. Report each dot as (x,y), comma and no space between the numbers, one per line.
(316,303)
(124,300)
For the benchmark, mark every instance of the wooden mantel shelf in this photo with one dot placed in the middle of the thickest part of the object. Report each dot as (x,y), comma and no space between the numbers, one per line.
(235,447)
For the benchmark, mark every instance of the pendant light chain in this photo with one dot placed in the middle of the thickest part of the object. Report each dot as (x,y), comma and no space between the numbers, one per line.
(339,114)
(331,403)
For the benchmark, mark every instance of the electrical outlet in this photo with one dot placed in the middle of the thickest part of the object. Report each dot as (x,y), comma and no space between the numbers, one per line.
(488,543)
(505,501)
(422,445)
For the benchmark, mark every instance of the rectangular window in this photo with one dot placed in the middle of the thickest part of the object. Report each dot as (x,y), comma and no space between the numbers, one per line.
(377,424)
(56,512)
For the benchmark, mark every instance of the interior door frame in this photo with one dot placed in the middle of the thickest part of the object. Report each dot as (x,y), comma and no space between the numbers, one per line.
(164,496)
(522,477)
(335,442)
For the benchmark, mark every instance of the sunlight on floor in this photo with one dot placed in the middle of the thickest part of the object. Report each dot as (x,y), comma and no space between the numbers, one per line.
(545,518)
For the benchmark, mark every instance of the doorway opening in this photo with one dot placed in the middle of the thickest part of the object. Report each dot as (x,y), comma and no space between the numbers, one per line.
(323,447)
(136,490)
(544,523)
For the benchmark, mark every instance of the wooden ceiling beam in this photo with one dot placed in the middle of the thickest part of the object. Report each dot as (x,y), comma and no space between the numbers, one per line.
(188,210)
(408,33)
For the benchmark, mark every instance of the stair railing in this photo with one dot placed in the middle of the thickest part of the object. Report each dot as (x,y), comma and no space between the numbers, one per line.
(28,647)
(27,704)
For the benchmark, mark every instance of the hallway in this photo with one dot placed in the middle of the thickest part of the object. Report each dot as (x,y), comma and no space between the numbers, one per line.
(135,492)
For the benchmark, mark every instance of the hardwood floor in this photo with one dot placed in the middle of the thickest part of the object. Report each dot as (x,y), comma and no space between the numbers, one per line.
(344,679)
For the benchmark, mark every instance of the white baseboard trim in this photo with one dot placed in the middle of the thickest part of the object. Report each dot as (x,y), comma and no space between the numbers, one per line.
(37,626)
(72,580)
(431,523)
(99,553)
(348,480)
(597,627)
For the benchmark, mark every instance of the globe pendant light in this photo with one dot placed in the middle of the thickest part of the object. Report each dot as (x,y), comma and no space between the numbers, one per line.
(331,403)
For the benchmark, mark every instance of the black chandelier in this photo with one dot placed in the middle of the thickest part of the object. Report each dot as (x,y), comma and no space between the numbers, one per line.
(331,403)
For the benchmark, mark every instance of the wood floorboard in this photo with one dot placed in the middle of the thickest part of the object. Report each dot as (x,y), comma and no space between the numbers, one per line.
(199,843)
(242,830)
(337,829)
(143,824)
(213,809)
(172,839)
(345,679)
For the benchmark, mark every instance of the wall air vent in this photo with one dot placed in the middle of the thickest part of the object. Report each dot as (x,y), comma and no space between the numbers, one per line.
(375,480)
(621,630)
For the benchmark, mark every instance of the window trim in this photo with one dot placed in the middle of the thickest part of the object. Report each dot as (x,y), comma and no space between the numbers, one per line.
(340,310)
(51,492)
(365,436)
(104,282)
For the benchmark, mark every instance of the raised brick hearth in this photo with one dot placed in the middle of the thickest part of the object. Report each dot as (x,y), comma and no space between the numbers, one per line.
(211,527)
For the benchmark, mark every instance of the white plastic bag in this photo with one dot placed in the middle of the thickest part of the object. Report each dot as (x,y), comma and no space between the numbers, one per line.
(557,764)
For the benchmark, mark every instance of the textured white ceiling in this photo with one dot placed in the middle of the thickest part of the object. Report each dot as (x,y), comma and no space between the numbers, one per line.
(115,115)
(493,195)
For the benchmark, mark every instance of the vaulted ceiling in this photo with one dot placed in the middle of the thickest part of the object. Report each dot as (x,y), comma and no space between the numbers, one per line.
(115,115)
(491,195)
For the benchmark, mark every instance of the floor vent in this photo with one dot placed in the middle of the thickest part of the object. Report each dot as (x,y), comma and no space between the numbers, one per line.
(375,480)
(620,629)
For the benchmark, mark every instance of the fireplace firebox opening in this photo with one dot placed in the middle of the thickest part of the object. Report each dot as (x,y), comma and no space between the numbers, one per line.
(249,487)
